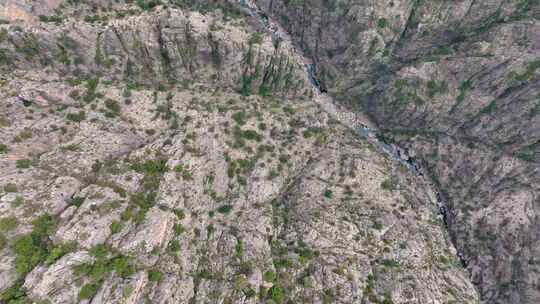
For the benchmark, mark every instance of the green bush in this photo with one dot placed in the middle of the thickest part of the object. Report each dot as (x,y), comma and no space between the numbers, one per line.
(225,209)
(278,294)
(113,105)
(88,291)
(23,163)
(58,252)
(382,23)
(99,251)
(251,135)
(3,241)
(391,263)
(328,193)
(24,135)
(174,246)
(76,117)
(3,149)
(15,294)
(256,38)
(10,187)
(154,275)
(158,166)
(378,225)
(76,201)
(122,266)
(32,249)
(389,184)
(269,276)
(240,118)
(435,88)
(8,223)
(115,227)
(91,87)
(148,4)
(180,214)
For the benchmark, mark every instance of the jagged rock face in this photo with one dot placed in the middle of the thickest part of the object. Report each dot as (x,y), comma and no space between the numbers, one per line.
(458,83)
(134,171)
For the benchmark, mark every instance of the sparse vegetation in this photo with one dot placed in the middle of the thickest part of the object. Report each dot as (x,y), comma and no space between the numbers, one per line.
(113,105)
(10,188)
(116,227)
(225,209)
(436,88)
(154,275)
(8,223)
(76,117)
(23,163)
(34,248)
(88,291)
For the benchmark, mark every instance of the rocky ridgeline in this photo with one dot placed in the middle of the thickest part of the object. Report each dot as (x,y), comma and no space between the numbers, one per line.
(456,82)
(178,154)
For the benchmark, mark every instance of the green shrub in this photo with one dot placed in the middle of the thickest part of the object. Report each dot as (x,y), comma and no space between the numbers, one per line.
(251,135)
(10,187)
(122,266)
(278,294)
(113,105)
(53,19)
(179,229)
(71,147)
(186,174)
(8,223)
(28,254)
(3,242)
(91,86)
(15,294)
(435,88)
(148,4)
(58,252)
(225,209)
(116,227)
(24,135)
(154,275)
(76,201)
(389,184)
(3,149)
(32,249)
(240,118)
(328,193)
(88,291)
(180,214)
(378,225)
(391,263)
(256,38)
(158,166)
(269,276)
(465,86)
(99,251)
(23,163)
(174,246)
(76,117)
(382,23)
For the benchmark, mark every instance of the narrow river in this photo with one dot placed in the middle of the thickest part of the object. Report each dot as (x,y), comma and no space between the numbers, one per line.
(360,123)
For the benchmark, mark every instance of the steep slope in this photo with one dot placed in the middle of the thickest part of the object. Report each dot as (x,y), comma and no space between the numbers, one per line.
(162,155)
(456,82)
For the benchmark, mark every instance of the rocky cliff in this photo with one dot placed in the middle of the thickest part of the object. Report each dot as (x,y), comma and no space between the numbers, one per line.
(458,83)
(177,152)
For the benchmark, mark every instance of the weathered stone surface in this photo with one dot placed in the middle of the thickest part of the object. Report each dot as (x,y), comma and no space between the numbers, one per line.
(184,158)
(457,83)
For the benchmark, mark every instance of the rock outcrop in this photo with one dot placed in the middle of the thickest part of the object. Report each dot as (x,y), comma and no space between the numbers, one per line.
(458,84)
